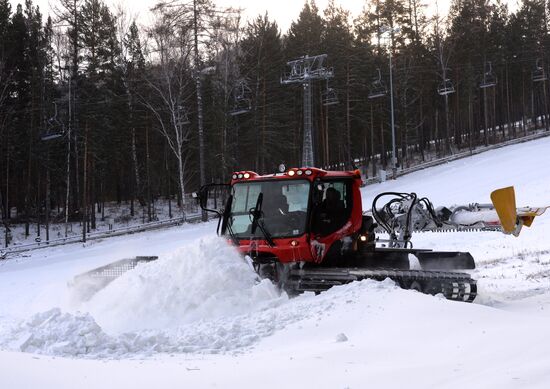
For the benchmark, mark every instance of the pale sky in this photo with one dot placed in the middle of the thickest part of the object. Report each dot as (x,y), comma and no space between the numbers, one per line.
(283,11)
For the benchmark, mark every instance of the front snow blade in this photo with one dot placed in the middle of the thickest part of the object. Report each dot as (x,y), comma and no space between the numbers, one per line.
(87,284)
(504,201)
(445,260)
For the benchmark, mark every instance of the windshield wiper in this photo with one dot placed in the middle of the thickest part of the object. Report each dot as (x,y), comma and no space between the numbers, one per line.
(257,215)
(266,233)
(226,221)
(232,235)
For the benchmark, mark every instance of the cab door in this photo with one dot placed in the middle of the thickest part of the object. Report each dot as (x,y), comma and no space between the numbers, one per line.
(333,218)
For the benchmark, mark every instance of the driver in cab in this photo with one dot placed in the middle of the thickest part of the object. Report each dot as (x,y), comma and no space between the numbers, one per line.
(331,213)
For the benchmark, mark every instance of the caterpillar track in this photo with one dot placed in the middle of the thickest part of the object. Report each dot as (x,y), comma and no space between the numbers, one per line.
(453,285)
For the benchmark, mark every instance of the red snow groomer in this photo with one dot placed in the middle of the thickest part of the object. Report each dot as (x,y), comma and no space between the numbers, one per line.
(305,229)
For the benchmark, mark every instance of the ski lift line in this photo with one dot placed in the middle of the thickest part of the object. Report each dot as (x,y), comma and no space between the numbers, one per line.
(123,98)
(408,70)
(423,69)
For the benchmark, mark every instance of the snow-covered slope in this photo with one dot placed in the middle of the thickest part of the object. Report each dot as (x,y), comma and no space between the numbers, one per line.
(509,268)
(198,318)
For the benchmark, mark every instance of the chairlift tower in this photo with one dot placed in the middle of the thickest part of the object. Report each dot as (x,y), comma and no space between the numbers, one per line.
(304,71)
(328,98)
(445,89)
(390,31)
(377,89)
(489,80)
(540,75)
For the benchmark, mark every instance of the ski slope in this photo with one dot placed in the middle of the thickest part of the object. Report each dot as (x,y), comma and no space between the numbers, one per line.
(198,318)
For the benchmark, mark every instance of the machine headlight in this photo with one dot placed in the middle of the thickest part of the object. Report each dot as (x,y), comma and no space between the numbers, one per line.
(240,175)
(299,172)
(308,172)
(246,175)
(291,173)
(234,176)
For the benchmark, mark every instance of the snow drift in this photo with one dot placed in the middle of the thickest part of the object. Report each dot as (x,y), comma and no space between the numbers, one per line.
(202,281)
(79,335)
(202,297)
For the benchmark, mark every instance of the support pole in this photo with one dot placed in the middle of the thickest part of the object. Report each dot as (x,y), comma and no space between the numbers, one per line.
(308,159)
(303,71)
(393,155)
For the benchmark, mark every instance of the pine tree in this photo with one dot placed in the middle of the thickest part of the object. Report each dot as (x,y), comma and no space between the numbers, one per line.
(261,60)
(5,135)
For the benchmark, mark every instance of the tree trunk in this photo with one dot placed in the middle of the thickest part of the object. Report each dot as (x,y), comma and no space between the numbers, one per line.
(202,167)
(48,197)
(348,118)
(85,181)
(147,166)
(181,184)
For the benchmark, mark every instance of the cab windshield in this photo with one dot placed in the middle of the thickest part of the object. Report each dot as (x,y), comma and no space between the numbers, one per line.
(284,208)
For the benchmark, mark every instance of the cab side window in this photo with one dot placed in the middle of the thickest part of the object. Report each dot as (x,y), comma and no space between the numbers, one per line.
(334,209)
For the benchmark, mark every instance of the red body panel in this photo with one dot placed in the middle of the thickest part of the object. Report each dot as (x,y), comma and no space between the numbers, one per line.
(307,247)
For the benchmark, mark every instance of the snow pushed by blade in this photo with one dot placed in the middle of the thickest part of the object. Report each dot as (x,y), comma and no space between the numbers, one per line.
(202,281)
(203,297)
(78,335)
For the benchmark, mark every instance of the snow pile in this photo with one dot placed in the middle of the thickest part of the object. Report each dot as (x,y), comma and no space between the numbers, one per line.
(78,335)
(205,280)
(201,298)
(57,333)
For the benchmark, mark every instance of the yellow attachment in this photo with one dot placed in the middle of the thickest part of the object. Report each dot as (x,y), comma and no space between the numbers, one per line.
(527,214)
(504,201)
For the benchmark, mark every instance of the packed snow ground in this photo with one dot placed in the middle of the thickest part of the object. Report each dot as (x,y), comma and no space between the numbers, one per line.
(198,317)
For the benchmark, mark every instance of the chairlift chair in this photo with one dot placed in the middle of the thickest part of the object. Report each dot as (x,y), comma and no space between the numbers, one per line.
(182,118)
(54,128)
(242,100)
(378,88)
(240,107)
(446,87)
(539,74)
(46,136)
(329,97)
(489,78)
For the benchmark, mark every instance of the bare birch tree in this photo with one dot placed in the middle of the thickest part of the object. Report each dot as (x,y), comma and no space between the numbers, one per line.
(170,89)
